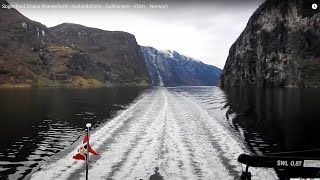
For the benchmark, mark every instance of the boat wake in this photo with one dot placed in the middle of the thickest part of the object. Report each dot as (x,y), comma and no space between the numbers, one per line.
(166,128)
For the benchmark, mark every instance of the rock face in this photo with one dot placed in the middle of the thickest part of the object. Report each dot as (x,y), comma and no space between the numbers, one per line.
(32,55)
(280,47)
(117,52)
(169,68)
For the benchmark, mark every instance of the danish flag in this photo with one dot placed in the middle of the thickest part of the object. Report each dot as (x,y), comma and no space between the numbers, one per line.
(82,151)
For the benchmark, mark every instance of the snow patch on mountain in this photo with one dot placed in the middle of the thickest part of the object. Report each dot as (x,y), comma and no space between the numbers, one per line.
(170,68)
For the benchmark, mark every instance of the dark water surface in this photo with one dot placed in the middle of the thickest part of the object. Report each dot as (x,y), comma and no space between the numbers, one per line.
(37,123)
(277,120)
(202,121)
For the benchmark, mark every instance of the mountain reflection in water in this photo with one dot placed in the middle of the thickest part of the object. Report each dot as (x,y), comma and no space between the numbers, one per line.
(276,120)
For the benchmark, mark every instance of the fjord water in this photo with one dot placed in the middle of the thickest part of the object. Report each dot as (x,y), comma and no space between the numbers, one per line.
(277,120)
(37,123)
(188,132)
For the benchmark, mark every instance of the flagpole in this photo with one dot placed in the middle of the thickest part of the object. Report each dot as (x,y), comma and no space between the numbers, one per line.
(88,125)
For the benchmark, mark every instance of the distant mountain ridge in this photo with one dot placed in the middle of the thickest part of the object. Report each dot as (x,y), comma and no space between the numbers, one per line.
(72,55)
(169,68)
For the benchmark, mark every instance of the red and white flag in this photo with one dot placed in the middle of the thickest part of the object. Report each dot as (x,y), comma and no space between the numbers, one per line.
(82,151)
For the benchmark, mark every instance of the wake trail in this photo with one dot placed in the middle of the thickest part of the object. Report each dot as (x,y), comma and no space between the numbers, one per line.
(164,129)
(132,155)
(222,138)
(66,167)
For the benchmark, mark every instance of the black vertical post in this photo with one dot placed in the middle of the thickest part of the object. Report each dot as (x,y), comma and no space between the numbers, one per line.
(87,159)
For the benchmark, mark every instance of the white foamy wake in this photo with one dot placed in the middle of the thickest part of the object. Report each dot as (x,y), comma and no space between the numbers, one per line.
(164,129)
(228,143)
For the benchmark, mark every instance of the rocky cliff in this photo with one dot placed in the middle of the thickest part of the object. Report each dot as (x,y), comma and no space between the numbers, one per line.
(169,68)
(32,55)
(117,52)
(280,47)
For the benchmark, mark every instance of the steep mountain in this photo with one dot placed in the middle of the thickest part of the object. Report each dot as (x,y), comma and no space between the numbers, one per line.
(117,52)
(31,55)
(169,68)
(280,47)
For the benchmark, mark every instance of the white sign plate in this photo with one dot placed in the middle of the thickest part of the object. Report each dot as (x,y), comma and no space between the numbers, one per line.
(311,163)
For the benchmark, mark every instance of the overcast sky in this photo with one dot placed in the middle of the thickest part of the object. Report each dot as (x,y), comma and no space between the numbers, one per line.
(204,31)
